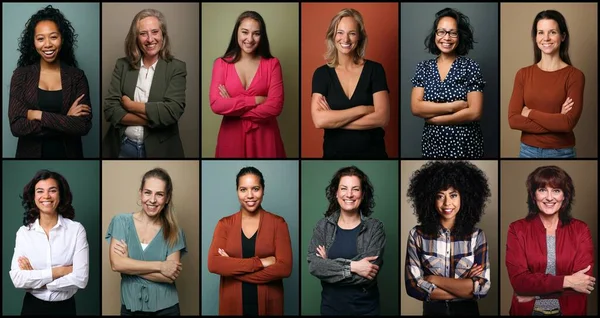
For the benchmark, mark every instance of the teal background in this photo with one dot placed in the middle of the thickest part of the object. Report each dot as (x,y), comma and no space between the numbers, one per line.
(219,199)
(84,180)
(383,175)
(85,18)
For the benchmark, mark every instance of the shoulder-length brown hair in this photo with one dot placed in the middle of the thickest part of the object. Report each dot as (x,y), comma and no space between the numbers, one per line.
(359,53)
(563,51)
(132,50)
(555,177)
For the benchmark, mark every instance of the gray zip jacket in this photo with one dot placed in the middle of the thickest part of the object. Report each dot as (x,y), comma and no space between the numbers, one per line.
(370,242)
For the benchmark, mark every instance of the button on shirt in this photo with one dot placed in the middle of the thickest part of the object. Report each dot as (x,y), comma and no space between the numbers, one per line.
(65,245)
(142,91)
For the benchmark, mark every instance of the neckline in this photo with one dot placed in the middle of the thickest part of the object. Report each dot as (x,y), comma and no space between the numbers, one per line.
(137,235)
(544,71)
(260,60)
(437,69)
(360,76)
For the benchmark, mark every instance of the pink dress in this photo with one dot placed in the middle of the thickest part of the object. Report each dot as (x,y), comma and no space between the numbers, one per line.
(248,130)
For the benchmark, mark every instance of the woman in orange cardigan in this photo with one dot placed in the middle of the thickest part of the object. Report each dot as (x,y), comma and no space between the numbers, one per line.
(252,252)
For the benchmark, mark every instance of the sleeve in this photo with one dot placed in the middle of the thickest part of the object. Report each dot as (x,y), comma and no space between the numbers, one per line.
(28,279)
(475,81)
(273,105)
(416,286)
(228,266)
(113,110)
(557,122)
(283,256)
(378,81)
(72,125)
(116,229)
(515,106)
(481,284)
(180,245)
(419,79)
(233,106)
(78,278)
(20,126)
(168,111)
(320,81)
(523,281)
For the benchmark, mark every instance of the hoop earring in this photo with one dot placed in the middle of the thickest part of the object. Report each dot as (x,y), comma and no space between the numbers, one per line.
(140,203)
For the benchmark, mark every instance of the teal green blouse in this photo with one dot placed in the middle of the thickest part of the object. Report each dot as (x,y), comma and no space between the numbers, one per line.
(137,293)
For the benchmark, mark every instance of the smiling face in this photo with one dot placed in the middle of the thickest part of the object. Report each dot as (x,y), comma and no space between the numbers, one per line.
(250,192)
(346,35)
(446,41)
(150,37)
(548,37)
(350,193)
(153,196)
(249,35)
(47,196)
(47,40)
(549,199)
(447,204)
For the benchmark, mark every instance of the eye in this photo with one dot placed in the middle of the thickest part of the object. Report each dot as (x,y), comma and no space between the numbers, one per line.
(453,195)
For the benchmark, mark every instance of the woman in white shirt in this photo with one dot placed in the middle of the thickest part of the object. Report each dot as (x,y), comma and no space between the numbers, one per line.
(50,260)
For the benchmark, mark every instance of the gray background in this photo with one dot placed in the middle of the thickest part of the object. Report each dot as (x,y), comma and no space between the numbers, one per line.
(85,18)
(219,199)
(416,20)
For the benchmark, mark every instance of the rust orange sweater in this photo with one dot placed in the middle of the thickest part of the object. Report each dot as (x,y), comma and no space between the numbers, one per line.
(544,93)
(273,239)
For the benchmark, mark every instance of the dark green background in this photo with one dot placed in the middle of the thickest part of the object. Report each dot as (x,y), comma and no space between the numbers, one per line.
(84,179)
(384,177)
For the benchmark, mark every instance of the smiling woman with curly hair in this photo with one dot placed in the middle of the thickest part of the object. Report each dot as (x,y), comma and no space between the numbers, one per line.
(447,264)
(49,104)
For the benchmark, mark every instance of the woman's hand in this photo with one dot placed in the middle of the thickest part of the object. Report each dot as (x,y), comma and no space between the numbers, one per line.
(223,91)
(170,269)
(125,101)
(259,99)
(365,268)
(525,111)
(33,114)
(77,109)
(524,299)
(268,261)
(321,252)
(580,282)
(24,264)
(120,248)
(566,106)
(322,102)
(475,271)
(459,105)
(222,252)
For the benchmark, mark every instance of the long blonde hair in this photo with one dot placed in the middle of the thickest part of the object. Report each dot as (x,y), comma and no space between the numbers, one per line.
(132,50)
(167,216)
(331,54)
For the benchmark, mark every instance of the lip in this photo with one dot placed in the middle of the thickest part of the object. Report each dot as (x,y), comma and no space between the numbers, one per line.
(346,45)
(448,210)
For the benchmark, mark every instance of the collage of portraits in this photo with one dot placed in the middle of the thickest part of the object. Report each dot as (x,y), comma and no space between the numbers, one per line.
(352,158)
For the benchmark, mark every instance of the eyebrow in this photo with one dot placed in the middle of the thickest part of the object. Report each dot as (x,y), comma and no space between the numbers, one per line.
(51,33)
(244,29)
(48,188)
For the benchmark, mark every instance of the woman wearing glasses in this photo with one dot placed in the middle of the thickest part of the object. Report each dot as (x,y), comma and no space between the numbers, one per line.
(448,91)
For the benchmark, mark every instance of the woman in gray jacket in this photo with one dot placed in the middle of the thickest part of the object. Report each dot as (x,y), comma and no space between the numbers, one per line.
(346,249)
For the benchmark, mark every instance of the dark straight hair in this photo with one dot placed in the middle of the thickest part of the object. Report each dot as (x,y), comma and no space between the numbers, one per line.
(233,52)
(562,28)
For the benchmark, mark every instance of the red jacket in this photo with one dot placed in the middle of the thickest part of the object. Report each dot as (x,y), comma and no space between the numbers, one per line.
(526,261)
(273,239)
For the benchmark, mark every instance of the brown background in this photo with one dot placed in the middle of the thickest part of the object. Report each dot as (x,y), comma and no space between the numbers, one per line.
(514,207)
(381,23)
(516,51)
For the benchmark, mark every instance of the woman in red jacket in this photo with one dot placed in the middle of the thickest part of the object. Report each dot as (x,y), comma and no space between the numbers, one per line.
(252,252)
(549,254)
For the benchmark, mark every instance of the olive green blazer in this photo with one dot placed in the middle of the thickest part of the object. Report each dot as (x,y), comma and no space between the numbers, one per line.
(166,104)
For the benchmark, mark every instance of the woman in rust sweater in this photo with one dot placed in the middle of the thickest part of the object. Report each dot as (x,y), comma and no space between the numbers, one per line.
(547,97)
(252,252)
(549,254)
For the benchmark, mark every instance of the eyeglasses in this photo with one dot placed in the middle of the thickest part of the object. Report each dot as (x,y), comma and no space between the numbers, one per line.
(442,33)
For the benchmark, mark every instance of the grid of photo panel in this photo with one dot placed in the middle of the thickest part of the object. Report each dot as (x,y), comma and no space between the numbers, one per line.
(299,158)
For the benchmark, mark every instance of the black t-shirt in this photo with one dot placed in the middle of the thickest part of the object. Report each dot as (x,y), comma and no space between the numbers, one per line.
(53,145)
(249,290)
(348,143)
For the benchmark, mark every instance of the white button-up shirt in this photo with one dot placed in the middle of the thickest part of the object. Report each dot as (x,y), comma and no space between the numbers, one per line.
(65,245)
(141,93)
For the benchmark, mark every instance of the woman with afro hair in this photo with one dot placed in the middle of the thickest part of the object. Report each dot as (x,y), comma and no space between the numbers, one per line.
(447,264)
(49,103)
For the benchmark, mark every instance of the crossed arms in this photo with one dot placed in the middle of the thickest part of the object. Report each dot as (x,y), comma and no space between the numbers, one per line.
(450,113)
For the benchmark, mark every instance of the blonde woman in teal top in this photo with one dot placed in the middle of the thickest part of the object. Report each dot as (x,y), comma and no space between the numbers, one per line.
(146,247)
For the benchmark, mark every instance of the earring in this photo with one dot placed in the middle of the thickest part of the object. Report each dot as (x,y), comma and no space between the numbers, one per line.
(140,203)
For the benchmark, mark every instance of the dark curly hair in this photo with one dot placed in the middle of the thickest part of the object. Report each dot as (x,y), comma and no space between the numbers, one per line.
(65,207)
(30,56)
(465,32)
(435,176)
(554,177)
(367,204)
(234,51)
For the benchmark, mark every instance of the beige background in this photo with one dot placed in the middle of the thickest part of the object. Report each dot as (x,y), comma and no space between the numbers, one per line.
(516,51)
(488,223)
(182,24)
(120,194)
(514,207)
(282,21)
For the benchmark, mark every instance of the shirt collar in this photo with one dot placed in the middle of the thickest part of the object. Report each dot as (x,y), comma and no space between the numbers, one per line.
(153,66)
(37,227)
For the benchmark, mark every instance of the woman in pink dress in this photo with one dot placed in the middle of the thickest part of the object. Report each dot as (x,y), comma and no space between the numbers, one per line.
(247,89)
